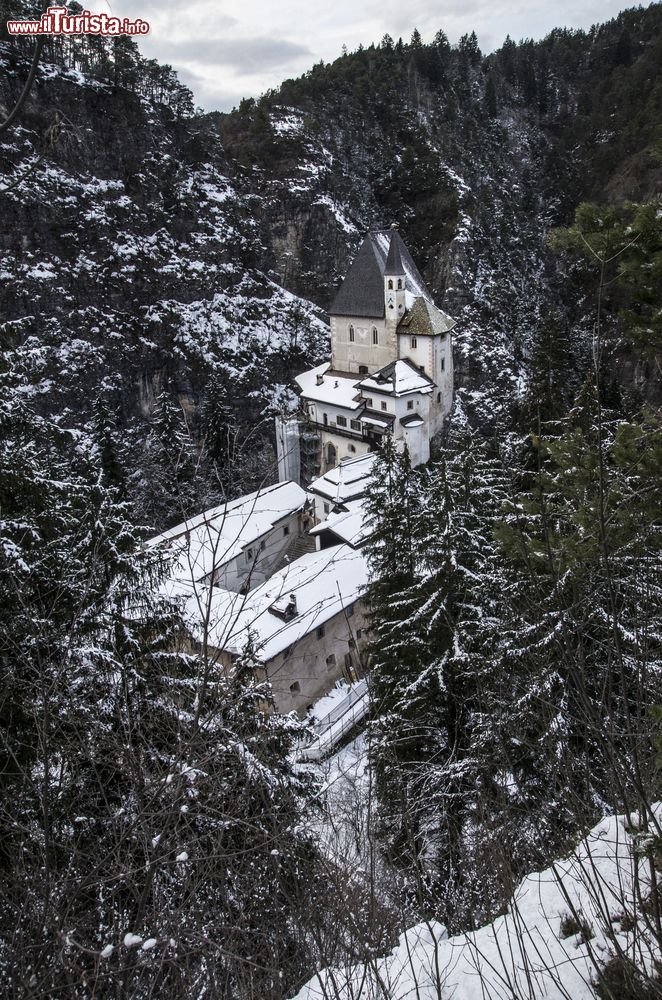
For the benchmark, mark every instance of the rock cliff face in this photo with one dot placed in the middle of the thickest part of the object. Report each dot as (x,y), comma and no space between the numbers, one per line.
(149,252)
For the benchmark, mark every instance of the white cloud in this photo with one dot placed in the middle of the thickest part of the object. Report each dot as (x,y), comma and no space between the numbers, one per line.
(236,50)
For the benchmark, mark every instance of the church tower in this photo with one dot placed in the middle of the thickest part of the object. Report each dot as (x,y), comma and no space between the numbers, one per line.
(395,281)
(391,366)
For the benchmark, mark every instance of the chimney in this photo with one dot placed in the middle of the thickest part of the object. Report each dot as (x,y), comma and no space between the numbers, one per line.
(320,379)
(292,607)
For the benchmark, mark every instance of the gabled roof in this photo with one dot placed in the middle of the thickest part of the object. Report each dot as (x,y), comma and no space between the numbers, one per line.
(348,525)
(362,291)
(346,481)
(204,543)
(323,385)
(322,584)
(425,320)
(398,378)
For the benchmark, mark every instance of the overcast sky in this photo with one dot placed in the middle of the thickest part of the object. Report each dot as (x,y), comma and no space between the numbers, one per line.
(225,49)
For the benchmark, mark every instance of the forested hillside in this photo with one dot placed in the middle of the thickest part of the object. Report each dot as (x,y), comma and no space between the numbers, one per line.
(163,275)
(149,253)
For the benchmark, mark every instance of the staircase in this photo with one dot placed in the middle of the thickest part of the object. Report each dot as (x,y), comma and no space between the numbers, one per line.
(332,729)
(300,546)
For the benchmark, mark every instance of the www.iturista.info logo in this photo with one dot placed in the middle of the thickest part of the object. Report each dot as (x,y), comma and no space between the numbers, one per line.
(58,21)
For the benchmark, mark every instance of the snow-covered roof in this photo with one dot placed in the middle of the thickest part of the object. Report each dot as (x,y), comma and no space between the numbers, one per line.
(423,319)
(322,583)
(362,291)
(208,541)
(346,481)
(376,419)
(412,420)
(349,525)
(322,385)
(398,378)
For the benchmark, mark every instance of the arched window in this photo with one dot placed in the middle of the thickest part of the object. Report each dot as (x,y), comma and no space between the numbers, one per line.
(375,335)
(351,334)
(331,456)
(350,447)
(390,284)
(399,282)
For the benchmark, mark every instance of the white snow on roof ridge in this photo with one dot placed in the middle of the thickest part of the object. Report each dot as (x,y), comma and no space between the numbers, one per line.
(336,389)
(324,583)
(208,541)
(341,482)
(405,378)
(350,525)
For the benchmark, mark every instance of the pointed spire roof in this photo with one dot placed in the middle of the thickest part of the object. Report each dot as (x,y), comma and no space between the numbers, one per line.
(424,319)
(394,263)
(362,292)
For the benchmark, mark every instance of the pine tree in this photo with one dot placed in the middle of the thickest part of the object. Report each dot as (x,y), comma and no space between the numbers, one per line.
(150,816)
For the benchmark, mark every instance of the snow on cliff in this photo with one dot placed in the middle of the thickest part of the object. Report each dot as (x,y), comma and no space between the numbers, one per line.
(563,926)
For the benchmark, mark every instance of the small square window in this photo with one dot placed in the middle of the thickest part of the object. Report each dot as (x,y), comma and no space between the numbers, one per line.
(295,688)
(355,425)
(341,421)
(363,369)
(327,508)
(286,529)
(320,632)
(384,406)
(410,404)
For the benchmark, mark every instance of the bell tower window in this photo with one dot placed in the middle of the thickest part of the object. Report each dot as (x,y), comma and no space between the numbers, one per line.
(399,282)
(390,284)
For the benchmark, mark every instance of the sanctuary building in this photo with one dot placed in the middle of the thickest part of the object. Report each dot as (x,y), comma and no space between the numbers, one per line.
(391,367)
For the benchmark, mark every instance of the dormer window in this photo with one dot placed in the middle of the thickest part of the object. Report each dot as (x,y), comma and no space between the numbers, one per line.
(390,284)
(375,335)
(351,334)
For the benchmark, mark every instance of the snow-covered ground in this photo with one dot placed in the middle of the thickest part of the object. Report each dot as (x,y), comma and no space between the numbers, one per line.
(563,926)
